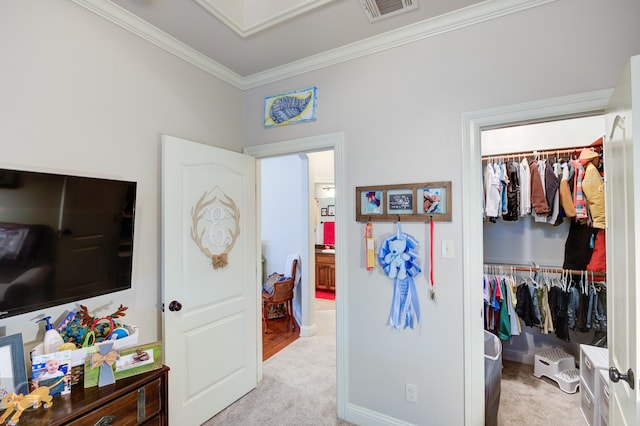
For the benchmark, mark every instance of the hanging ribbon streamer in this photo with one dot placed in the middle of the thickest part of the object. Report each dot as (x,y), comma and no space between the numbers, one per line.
(397,258)
(432,291)
(369,246)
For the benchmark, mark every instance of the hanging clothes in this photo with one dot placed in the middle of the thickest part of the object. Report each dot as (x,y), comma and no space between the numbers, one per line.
(566,197)
(543,217)
(593,188)
(524,307)
(492,191)
(539,204)
(549,189)
(578,246)
(504,329)
(500,315)
(572,307)
(511,302)
(578,196)
(558,300)
(504,181)
(512,191)
(598,260)
(552,183)
(525,187)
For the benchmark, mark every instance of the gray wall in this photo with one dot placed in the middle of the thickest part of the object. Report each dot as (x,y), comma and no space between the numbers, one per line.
(284,206)
(82,96)
(402,108)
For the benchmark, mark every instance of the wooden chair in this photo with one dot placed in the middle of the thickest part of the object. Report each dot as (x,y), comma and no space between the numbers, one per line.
(282,294)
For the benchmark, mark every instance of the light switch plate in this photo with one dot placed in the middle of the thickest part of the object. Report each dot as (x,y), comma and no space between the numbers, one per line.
(447,249)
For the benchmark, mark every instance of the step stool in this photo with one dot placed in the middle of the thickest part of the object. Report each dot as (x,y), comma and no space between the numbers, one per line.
(558,366)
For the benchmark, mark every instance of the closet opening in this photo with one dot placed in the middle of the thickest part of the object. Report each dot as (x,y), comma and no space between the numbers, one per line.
(544,273)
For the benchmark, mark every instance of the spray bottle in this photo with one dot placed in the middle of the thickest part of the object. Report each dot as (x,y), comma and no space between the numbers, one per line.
(52,339)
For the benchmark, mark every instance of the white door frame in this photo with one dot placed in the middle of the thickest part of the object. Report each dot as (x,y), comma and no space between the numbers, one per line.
(333,141)
(472,125)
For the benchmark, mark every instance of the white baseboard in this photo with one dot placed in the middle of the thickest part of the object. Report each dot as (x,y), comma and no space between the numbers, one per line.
(362,416)
(308,330)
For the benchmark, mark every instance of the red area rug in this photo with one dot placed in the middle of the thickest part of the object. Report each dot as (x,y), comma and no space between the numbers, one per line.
(329,295)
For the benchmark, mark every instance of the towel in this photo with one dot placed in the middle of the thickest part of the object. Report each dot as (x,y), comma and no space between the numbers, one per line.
(329,233)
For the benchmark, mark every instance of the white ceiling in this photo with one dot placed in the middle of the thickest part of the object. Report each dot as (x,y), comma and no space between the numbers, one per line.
(333,32)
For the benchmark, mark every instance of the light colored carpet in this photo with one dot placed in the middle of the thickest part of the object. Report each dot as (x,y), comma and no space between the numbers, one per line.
(299,385)
(299,388)
(527,400)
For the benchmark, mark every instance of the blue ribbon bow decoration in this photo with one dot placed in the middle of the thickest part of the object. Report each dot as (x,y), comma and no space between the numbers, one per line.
(397,258)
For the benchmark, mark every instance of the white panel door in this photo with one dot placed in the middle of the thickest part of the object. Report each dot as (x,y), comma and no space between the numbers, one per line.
(622,159)
(210,321)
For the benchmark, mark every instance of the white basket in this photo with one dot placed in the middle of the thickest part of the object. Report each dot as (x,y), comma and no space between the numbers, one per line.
(78,356)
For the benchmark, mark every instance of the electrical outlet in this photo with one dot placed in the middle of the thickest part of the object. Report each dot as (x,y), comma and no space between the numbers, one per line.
(411,392)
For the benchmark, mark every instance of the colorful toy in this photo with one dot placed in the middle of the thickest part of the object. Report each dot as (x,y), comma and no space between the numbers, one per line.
(84,330)
(105,325)
(396,258)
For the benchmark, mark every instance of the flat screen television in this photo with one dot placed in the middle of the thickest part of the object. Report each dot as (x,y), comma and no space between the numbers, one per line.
(63,238)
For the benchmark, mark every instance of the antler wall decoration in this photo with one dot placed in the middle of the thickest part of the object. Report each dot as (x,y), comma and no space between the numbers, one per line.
(216,226)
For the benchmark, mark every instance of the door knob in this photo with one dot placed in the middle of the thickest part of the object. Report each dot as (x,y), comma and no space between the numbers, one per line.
(175,306)
(616,376)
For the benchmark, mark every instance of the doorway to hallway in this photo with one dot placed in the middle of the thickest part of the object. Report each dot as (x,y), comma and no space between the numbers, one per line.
(335,142)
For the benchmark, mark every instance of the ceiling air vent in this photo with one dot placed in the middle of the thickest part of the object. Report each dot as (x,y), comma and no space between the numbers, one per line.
(379,9)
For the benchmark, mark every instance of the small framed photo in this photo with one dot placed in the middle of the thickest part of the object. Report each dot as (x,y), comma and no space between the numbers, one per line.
(13,372)
(369,202)
(331,210)
(323,211)
(130,362)
(52,370)
(400,201)
(433,199)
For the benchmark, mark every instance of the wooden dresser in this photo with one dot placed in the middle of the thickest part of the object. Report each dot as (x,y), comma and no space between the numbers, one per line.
(137,400)
(325,271)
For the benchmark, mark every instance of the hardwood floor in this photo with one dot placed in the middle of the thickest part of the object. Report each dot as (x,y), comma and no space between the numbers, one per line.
(280,333)
(279,337)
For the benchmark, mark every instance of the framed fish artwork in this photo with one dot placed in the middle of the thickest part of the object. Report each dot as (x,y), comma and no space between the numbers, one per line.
(290,108)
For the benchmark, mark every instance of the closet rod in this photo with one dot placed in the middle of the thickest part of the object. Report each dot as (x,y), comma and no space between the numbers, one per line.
(551,270)
(596,144)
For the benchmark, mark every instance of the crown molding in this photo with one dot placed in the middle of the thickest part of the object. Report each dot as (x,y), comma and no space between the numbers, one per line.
(130,22)
(471,15)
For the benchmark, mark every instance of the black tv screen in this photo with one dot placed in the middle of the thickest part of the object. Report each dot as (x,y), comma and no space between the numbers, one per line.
(63,238)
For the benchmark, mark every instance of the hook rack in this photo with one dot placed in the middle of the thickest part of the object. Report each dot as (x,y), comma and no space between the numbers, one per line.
(414,202)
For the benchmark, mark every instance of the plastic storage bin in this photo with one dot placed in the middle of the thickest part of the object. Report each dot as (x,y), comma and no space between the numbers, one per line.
(492,377)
